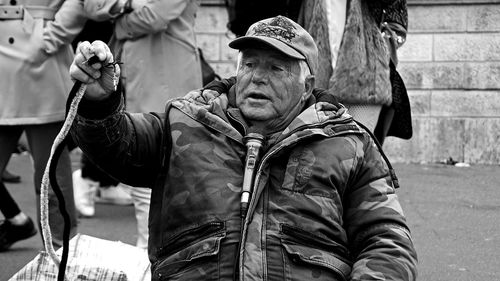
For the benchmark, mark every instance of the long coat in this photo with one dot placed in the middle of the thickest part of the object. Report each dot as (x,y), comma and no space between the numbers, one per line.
(361,74)
(35,56)
(156,44)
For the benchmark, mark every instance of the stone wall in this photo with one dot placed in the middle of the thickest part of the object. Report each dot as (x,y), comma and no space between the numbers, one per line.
(451,65)
(213,37)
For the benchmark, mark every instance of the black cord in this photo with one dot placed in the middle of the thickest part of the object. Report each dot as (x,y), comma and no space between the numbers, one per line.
(55,186)
(62,208)
(392,172)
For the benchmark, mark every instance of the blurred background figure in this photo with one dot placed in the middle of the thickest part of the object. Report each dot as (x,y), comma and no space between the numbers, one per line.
(155,41)
(357,42)
(35,54)
(244,13)
(359,66)
(10,177)
(22,147)
(91,184)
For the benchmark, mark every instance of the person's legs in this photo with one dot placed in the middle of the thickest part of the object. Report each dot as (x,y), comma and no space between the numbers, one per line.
(8,142)
(22,146)
(91,171)
(109,190)
(17,225)
(85,184)
(10,177)
(142,198)
(336,12)
(40,138)
(84,191)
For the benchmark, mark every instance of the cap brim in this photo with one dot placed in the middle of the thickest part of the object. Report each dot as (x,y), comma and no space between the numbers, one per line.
(249,41)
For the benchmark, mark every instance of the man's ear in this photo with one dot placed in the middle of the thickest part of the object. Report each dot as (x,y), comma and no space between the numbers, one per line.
(309,86)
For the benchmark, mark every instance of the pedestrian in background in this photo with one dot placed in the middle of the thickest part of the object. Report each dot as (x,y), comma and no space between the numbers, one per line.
(359,68)
(91,184)
(357,42)
(35,54)
(155,42)
(22,147)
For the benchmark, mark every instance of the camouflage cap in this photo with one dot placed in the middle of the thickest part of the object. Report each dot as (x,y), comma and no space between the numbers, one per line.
(284,35)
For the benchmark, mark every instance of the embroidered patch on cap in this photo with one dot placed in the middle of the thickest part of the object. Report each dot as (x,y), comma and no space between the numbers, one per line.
(284,35)
(278,28)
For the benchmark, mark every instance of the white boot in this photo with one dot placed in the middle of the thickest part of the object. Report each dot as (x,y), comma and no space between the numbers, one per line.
(84,191)
(142,199)
(116,195)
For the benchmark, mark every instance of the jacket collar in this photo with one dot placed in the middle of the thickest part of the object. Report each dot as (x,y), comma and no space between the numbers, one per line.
(315,114)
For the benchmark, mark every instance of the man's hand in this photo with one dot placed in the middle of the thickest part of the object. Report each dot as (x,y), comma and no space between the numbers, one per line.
(102,77)
(202,96)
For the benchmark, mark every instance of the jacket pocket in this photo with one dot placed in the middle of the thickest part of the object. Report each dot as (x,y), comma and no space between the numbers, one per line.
(306,263)
(37,54)
(197,259)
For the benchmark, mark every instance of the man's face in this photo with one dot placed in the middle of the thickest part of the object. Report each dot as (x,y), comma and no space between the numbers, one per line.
(269,87)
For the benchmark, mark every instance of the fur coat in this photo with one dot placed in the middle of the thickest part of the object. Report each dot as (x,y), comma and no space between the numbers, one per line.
(362,72)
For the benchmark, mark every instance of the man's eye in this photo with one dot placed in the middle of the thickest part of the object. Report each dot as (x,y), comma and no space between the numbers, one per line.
(277,68)
(248,64)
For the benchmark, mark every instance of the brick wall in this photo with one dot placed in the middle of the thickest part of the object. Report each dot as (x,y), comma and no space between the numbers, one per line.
(213,37)
(451,65)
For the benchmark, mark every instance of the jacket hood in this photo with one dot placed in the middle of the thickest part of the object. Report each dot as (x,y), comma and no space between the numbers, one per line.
(318,112)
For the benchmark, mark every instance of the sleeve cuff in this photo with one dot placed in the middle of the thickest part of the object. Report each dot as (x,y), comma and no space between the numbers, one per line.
(98,110)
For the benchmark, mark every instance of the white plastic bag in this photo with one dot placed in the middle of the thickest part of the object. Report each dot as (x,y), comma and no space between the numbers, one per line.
(91,259)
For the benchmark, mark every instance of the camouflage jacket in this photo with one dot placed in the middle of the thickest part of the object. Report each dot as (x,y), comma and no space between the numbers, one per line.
(322,206)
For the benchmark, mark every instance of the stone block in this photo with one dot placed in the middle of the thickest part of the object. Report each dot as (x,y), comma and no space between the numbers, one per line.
(211,19)
(416,75)
(418,47)
(464,104)
(225,69)
(445,139)
(447,75)
(227,53)
(467,47)
(440,75)
(434,139)
(420,102)
(482,140)
(210,45)
(483,18)
(437,18)
(482,75)
(401,151)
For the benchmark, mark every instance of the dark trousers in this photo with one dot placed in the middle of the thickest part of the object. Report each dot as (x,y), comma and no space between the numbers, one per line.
(40,139)
(91,171)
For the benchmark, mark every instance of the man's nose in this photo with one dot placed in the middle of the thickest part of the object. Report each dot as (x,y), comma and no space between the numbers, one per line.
(260,75)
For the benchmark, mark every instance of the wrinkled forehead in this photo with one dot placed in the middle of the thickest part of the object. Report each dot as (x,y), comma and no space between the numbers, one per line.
(266,52)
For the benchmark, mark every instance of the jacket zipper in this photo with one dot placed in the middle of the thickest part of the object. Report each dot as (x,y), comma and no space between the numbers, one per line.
(264,158)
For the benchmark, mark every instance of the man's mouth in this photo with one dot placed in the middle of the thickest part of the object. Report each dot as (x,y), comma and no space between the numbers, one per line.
(257,96)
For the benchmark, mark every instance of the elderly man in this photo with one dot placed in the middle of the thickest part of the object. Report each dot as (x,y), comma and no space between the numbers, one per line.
(315,204)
